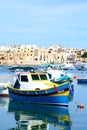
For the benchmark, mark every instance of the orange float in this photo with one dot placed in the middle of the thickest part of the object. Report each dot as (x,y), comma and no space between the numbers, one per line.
(74,76)
(81,106)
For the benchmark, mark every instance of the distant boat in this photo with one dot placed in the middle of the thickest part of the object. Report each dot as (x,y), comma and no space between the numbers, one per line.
(82,80)
(38,89)
(82,77)
(3,90)
(81,66)
(21,68)
(68,66)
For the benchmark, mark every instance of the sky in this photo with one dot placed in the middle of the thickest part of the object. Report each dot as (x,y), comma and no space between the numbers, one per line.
(44,23)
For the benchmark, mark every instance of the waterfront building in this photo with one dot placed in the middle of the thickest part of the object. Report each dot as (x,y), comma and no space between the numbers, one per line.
(33,55)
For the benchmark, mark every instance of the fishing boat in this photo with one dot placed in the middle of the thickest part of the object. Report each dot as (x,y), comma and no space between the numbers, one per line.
(3,90)
(37,88)
(82,78)
(60,76)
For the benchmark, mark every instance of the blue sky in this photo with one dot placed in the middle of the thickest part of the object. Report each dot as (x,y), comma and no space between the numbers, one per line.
(44,22)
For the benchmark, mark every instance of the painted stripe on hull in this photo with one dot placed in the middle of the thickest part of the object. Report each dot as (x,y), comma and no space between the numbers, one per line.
(36,93)
(33,94)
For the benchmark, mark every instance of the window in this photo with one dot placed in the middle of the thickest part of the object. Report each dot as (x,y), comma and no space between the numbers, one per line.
(35,77)
(43,77)
(36,59)
(24,78)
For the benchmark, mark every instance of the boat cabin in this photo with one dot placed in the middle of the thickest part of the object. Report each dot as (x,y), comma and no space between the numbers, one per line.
(32,81)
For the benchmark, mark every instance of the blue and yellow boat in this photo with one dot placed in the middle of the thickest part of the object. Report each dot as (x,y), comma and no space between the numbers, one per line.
(37,88)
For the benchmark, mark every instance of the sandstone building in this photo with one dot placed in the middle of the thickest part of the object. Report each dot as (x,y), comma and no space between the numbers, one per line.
(33,55)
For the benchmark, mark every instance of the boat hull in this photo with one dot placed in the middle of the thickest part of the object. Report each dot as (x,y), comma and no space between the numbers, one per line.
(55,99)
(4,93)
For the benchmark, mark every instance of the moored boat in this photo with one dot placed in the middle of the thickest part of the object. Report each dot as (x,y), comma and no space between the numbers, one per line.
(60,76)
(3,90)
(38,89)
(82,80)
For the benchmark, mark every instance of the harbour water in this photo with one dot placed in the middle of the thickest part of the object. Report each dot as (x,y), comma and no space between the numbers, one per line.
(22,116)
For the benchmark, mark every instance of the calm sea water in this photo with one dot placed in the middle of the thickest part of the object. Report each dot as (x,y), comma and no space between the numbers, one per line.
(37,117)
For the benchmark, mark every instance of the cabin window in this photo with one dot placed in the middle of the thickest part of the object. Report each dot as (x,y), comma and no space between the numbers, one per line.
(35,77)
(24,78)
(43,77)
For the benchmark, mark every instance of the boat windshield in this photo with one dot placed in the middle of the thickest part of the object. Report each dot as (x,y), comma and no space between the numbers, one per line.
(43,77)
(35,77)
(39,77)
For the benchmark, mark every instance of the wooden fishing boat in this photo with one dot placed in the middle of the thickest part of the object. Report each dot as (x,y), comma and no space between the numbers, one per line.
(38,89)
(59,77)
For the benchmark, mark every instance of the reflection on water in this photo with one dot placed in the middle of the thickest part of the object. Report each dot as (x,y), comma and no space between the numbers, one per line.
(37,117)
